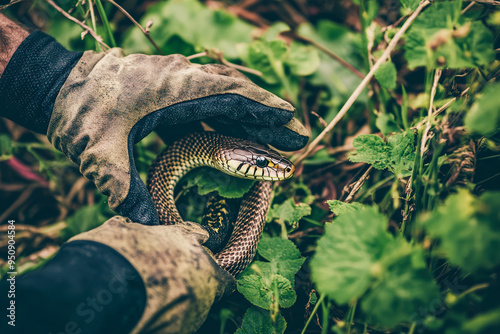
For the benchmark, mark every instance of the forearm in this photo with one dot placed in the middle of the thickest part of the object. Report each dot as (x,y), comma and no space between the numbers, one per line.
(11,36)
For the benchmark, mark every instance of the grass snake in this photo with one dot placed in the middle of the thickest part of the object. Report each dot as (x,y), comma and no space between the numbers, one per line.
(237,157)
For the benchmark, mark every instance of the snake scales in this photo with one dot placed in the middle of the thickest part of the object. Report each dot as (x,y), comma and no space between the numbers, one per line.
(237,157)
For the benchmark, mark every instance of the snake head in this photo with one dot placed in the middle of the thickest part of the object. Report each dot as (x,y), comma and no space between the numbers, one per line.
(248,160)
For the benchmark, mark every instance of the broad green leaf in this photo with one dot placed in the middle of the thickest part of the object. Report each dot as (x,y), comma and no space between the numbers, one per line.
(350,247)
(442,38)
(405,286)
(282,254)
(397,154)
(303,60)
(258,321)
(339,207)
(274,30)
(289,211)
(468,230)
(386,75)
(208,179)
(266,291)
(484,116)
(356,258)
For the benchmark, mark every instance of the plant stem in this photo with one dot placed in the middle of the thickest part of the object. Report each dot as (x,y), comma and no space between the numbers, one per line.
(315,309)
(363,83)
(105,22)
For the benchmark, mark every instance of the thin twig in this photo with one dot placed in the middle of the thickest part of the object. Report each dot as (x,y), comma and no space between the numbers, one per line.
(218,55)
(146,33)
(363,83)
(328,52)
(423,147)
(85,27)
(358,185)
(468,7)
(197,55)
(12,2)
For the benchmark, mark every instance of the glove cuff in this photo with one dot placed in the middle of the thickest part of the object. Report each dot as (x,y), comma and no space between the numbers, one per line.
(32,79)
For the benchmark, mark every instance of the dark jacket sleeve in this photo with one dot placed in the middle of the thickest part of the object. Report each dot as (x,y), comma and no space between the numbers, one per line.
(32,79)
(87,287)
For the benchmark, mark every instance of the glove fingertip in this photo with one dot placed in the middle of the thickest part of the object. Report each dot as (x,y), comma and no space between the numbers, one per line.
(138,205)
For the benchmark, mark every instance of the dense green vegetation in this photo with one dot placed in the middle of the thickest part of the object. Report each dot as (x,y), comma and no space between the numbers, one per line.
(391,223)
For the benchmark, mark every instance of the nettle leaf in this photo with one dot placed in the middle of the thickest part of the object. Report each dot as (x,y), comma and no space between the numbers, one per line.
(350,246)
(442,38)
(207,179)
(289,211)
(266,291)
(468,230)
(357,258)
(257,320)
(484,116)
(404,287)
(397,154)
(386,75)
(339,207)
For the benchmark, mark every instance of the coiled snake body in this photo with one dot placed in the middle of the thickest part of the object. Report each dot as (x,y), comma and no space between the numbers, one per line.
(237,157)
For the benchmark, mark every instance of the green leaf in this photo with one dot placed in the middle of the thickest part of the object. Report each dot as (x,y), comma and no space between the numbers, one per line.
(484,116)
(442,38)
(303,60)
(5,147)
(386,123)
(258,321)
(409,6)
(274,30)
(356,258)
(174,31)
(282,254)
(351,245)
(266,291)
(208,180)
(397,154)
(467,228)
(86,218)
(267,57)
(345,44)
(405,286)
(386,75)
(289,211)
(339,207)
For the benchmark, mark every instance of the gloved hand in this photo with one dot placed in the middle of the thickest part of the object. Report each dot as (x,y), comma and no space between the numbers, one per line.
(95,106)
(123,277)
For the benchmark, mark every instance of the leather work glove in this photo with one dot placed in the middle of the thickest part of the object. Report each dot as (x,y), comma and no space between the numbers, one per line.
(95,106)
(122,277)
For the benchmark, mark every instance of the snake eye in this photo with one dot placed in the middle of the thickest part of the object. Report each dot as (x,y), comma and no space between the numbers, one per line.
(261,162)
